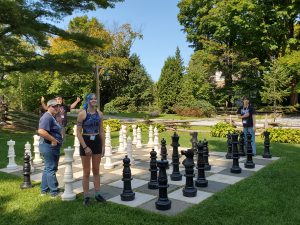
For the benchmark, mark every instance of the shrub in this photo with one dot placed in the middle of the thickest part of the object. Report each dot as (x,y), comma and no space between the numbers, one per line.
(120,104)
(109,108)
(196,108)
(221,129)
(114,124)
(283,135)
(145,127)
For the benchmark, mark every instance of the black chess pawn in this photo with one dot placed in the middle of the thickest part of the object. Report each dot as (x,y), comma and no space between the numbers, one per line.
(163,151)
(201,180)
(176,175)
(153,183)
(267,153)
(242,144)
(229,146)
(207,167)
(189,189)
(26,172)
(163,202)
(127,194)
(249,161)
(235,155)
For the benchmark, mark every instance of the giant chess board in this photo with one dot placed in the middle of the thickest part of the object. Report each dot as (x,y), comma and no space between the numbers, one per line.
(219,178)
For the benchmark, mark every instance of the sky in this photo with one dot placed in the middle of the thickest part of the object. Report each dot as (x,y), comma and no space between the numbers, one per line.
(157,21)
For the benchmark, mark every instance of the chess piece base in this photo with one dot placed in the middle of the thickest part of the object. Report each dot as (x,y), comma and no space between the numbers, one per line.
(153,185)
(127,196)
(176,176)
(189,192)
(201,183)
(163,205)
(235,170)
(249,165)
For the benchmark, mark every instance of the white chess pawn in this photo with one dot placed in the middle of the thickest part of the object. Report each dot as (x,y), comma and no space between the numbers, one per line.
(156,143)
(36,149)
(11,155)
(150,142)
(134,134)
(139,138)
(68,194)
(129,150)
(121,144)
(28,151)
(109,135)
(108,151)
(76,142)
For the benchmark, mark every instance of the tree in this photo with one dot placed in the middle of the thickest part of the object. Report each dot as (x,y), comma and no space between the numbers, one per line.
(246,36)
(169,83)
(24,21)
(275,87)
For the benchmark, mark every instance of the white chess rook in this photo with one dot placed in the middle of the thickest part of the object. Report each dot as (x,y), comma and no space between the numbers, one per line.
(28,151)
(11,155)
(68,194)
(156,141)
(150,142)
(129,150)
(108,150)
(134,134)
(139,138)
(36,149)
(76,142)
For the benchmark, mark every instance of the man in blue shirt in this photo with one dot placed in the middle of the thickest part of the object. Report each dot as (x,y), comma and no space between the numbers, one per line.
(50,143)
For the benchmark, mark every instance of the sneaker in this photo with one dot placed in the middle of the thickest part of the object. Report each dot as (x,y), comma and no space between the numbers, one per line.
(99,198)
(87,201)
(56,195)
(43,194)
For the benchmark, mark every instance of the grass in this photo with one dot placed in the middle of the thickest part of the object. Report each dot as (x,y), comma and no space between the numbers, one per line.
(271,196)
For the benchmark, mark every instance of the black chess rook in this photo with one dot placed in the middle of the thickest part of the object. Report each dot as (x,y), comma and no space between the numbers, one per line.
(235,155)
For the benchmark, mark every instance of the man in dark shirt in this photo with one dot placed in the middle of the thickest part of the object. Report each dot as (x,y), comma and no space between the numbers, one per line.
(247,113)
(61,116)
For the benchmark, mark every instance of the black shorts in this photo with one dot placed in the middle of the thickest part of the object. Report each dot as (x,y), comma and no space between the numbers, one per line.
(94,145)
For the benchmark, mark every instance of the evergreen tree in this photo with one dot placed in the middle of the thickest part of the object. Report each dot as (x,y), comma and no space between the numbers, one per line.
(169,83)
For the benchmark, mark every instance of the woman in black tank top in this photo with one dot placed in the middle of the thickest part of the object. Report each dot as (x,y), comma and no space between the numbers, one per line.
(92,145)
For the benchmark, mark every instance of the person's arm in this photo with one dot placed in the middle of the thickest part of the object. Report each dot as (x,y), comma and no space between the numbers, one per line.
(101,133)
(43,103)
(80,119)
(44,134)
(75,103)
(254,122)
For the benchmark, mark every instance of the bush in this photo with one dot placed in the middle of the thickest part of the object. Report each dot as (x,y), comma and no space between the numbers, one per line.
(110,109)
(198,108)
(145,127)
(120,104)
(70,126)
(221,129)
(114,124)
(284,135)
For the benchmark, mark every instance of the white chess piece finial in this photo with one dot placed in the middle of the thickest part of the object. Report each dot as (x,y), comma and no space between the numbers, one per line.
(36,149)
(139,138)
(121,139)
(108,150)
(150,142)
(76,142)
(68,194)
(134,134)
(156,141)
(28,151)
(11,155)
(129,150)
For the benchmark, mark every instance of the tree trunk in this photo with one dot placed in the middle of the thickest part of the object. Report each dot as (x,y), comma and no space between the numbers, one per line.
(294,98)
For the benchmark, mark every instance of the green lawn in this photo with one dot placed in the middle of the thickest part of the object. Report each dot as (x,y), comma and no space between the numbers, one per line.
(270,196)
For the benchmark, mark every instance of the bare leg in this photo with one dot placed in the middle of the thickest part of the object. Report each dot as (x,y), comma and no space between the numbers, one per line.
(96,159)
(86,165)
